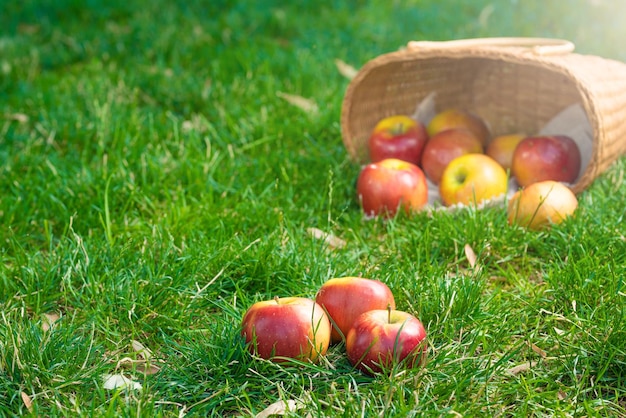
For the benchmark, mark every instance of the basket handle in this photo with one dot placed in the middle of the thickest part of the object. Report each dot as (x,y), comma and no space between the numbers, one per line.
(540,46)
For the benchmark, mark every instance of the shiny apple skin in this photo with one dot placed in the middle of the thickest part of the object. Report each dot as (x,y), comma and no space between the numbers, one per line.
(390,185)
(398,137)
(444,147)
(471,179)
(551,157)
(375,344)
(345,298)
(541,205)
(286,328)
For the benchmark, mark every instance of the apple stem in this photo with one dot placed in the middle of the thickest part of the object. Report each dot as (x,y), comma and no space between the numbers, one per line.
(398,128)
(389,313)
(276,299)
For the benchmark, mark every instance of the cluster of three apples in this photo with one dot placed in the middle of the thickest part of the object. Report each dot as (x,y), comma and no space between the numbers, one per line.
(358,311)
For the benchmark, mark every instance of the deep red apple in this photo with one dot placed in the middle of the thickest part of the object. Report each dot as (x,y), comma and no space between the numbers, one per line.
(550,157)
(286,328)
(386,186)
(345,298)
(444,147)
(398,137)
(382,338)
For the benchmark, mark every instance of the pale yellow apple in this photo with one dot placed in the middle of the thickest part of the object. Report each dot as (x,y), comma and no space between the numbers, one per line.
(456,118)
(472,179)
(541,205)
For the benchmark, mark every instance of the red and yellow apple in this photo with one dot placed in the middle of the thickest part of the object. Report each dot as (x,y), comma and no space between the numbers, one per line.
(382,338)
(456,118)
(547,157)
(444,147)
(286,328)
(501,148)
(398,137)
(471,179)
(541,205)
(345,298)
(390,185)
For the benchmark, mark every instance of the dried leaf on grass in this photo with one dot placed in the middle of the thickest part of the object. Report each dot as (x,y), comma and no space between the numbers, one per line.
(118,381)
(141,366)
(49,319)
(331,240)
(308,105)
(141,350)
(280,408)
(28,402)
(345,69)
(538,350)
(471,256)
(18,117)
(522,367)
(143,363)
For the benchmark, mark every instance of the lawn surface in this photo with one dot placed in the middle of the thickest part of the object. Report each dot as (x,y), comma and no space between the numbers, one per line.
(157,178)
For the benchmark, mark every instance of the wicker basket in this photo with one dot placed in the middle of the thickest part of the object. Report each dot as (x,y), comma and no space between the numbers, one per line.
(515,84)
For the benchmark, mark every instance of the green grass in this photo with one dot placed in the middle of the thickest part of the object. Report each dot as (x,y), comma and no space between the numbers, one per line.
(154,184)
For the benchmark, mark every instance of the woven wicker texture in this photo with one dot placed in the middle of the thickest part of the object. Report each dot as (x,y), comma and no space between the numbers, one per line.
(514,88)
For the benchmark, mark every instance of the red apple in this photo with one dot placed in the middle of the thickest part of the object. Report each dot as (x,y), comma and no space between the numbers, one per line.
(501,148)
(550,157)
(471,179)
(541,205)
(286,328)
(382,338)
(386,186)
(444,147)
(457,118)
(398,137)
(345,298)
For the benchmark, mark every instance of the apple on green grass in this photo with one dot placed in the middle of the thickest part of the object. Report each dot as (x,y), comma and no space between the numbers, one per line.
(453,118)
(286,328)
(541,205)
(444,147)
(398,137)
(546,157)
(390,185)
(472,179)
(382,338)
(345,298)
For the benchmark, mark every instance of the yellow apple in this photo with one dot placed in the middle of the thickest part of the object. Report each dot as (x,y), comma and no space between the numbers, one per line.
(541,205)
(501,148)
(471,179)
(457,118)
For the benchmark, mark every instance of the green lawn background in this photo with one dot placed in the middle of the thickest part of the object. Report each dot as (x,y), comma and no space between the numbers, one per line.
(154,183)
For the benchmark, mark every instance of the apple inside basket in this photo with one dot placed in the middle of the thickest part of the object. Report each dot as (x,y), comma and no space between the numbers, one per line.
(513,89)
(571,121)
